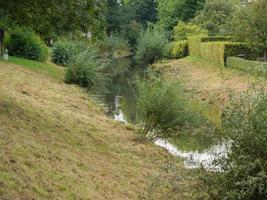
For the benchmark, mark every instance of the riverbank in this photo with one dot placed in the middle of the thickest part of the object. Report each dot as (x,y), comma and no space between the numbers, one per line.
(56,143)
(207,85)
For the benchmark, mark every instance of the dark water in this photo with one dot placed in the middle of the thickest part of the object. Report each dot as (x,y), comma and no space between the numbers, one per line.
(120,100)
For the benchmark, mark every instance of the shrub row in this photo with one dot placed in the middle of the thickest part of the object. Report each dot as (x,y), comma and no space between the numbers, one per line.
(179,49)
(218,49)
(253,67)
(26,44)
(194,42)
(218,52)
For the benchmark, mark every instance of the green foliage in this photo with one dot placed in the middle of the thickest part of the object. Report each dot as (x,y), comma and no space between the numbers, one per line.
(117,51)
(121,15)
(179,49)
(252,67)
(131,32)
(161,109)
(50,18)
(151,47)
(244,175)
(183,30)
(215,16)
(86,69)
(26,44)
(114,46)
(172,11)
(250,24)
(64,50)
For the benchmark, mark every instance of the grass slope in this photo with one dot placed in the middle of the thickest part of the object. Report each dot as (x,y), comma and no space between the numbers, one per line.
(208,85)
(56,144)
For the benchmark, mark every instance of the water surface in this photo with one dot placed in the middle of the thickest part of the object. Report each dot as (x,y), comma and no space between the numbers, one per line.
(120,100)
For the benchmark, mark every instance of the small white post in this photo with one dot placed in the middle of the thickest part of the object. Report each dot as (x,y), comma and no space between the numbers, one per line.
(6,54)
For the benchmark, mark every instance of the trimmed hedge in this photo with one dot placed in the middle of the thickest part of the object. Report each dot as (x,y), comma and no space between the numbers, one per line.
(179,49)
(213,51)
(252,67)
(218,52)
(194,42)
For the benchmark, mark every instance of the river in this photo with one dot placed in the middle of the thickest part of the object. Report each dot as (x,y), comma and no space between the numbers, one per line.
(120,100)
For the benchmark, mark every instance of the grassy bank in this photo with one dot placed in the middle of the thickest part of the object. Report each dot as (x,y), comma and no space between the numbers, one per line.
(207,85)
(57,144)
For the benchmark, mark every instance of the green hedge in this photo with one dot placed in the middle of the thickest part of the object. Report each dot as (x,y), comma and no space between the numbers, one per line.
(179,49)
(253,67)
(218,52)
(213,51)
(194,42)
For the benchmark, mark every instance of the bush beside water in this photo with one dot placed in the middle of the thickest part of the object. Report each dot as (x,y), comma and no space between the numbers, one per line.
(26,44)
(161,109)
(151,47)
(244,170)
(64,50)
(86,69)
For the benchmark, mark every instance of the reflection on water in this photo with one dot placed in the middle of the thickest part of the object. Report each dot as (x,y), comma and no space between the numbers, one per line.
(120,101)
(196,159)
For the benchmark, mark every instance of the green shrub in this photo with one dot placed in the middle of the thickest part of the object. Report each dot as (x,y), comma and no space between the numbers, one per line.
(180,49)
(161,110)
(26,44)
(86,69)
(64,50)
(151,47)
(252,67)
(183,30)
(114,46)
(244,170)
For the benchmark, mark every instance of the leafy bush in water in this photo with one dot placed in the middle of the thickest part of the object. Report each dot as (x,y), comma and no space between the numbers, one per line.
(64,50)
(244,175)
(26,44)
(161,109)
(114,46)
(151,47)
(180,49)
(85,69)
(117,50)
(183,30)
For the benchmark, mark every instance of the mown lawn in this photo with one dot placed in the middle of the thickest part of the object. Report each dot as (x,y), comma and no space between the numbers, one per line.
(57,144)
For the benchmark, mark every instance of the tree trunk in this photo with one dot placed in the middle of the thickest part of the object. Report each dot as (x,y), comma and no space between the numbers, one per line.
(265,55)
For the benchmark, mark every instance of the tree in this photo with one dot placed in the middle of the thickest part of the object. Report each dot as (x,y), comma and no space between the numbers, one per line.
(172,11)
(215,15)
(50,18)
(145,10)
(183,30)
(250,24)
